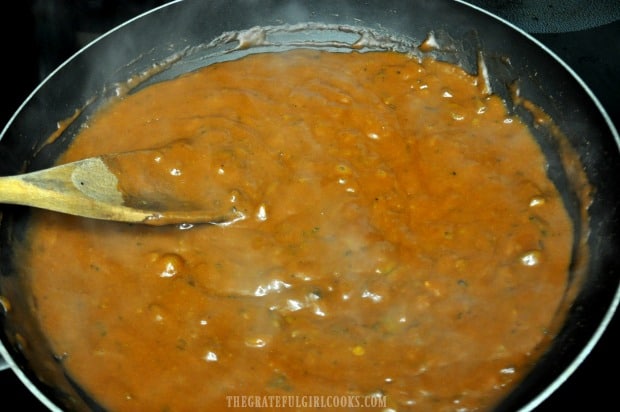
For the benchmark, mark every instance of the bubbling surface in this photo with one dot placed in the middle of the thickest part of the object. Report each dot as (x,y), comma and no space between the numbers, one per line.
(401,242)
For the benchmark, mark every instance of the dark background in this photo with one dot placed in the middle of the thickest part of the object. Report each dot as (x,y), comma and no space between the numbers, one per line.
(38,35)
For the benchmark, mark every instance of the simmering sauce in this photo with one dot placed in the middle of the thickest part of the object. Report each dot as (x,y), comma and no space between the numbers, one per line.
(401,243)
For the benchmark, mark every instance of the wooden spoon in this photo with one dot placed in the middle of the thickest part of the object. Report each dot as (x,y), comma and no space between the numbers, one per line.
(90,188)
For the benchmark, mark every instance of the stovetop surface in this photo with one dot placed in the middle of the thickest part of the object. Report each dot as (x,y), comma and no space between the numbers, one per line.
(39,35)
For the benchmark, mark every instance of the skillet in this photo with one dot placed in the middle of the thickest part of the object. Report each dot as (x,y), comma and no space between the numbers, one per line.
(551,84)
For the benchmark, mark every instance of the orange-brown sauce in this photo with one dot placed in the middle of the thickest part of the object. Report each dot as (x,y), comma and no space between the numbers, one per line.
(401,239)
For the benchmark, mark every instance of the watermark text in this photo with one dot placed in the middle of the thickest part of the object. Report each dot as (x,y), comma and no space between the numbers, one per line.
(306,401)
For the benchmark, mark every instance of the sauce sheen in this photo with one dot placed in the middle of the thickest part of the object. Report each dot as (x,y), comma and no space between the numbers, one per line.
(400,239)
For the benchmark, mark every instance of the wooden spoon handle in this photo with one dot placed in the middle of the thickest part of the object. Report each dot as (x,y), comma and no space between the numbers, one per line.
(84,188)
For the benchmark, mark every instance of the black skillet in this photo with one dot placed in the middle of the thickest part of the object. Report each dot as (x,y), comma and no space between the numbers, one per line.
(542,78)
